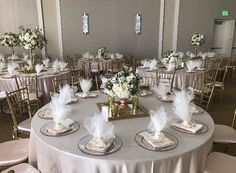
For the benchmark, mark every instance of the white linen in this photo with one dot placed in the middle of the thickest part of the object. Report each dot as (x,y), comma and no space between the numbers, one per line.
(61,155)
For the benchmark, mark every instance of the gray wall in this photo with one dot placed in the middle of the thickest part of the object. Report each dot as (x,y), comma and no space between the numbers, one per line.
(111,25)
(199,16)
(15,13)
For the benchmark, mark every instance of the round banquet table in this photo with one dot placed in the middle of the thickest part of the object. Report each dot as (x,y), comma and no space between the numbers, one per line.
(62,155)
(45,85)
(182,78)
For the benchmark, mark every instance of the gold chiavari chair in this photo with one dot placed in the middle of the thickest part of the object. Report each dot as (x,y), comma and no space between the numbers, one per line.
(224,134)
(59,83)
(210,75)
(203,94)
(232,65)
(31,83)
(166,77)
(147,83)
(19,104)
(219,83)
(117,65)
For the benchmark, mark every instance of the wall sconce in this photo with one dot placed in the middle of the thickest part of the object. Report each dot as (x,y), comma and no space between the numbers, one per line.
(85,23)
(138,24)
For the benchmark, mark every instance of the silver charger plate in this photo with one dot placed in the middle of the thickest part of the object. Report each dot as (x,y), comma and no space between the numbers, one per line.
(200,111)
(41,114)
(143,143)
(114,148)
(145,93)
(203,130)
(90,95)
(74,127)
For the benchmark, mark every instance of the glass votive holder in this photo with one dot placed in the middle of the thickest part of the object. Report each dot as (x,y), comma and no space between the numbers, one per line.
(114,109)
(135,102)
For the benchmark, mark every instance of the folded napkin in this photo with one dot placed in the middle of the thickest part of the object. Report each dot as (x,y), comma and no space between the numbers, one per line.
(119,56)
(55,66)
(181,54)
(199,64)
(211,54)
(62,65)
(190,65)
(204,55)
(156,143)
(112,56)
(153,64)
(67,94)
(38,68)
(145,63)
(57,129)
(29,62)
(190,128)
(94,145)
(86,85)
(46,62)
(188,53)
(181,105)
(170,67)
(11,68)
(200,54)
(104,81)
(158,122)
(161,90)
(192,55)
(101,130)
(86,95)
(87,55)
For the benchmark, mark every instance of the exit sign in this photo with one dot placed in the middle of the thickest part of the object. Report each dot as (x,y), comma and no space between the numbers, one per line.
(225,13)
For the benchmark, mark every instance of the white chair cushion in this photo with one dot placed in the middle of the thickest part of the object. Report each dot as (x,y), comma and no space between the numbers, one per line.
(13,152)
(220,163)
(224,134)
(22,168)
(219,84)
(25,125)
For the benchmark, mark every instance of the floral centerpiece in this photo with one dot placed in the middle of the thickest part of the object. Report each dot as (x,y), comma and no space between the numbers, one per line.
(197,40)
(10,39)
(170,59)
(123,84)
(31,39)
(102,52)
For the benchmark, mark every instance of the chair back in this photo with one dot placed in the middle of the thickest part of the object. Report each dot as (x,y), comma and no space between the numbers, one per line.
(210,74)
(166,77)
(59,83)
(203,94)
(117,65)
(18,102)
(148,82)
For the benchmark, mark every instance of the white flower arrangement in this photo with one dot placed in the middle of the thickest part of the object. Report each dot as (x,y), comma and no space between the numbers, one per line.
(9,39)
(31,39)
(197,39)
(123,84)
(170,57)
(102,52)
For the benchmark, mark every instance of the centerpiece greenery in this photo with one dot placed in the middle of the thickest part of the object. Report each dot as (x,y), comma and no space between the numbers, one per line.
(10,39)
(197,39)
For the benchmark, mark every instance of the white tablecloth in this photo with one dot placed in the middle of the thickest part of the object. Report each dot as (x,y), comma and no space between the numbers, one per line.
(45,85)
(62,155)
(182,78)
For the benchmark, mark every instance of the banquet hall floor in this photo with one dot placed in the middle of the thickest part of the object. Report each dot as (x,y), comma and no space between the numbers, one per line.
(221,113)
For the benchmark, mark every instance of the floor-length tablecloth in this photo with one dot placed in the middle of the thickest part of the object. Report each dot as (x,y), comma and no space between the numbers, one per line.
(62,155)
(182,78)
(45,85)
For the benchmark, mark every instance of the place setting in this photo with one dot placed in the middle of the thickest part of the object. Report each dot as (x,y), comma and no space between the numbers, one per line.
(163,92)
(183,108)
(57,111)
(155,138)
(101,139)
(86,85)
